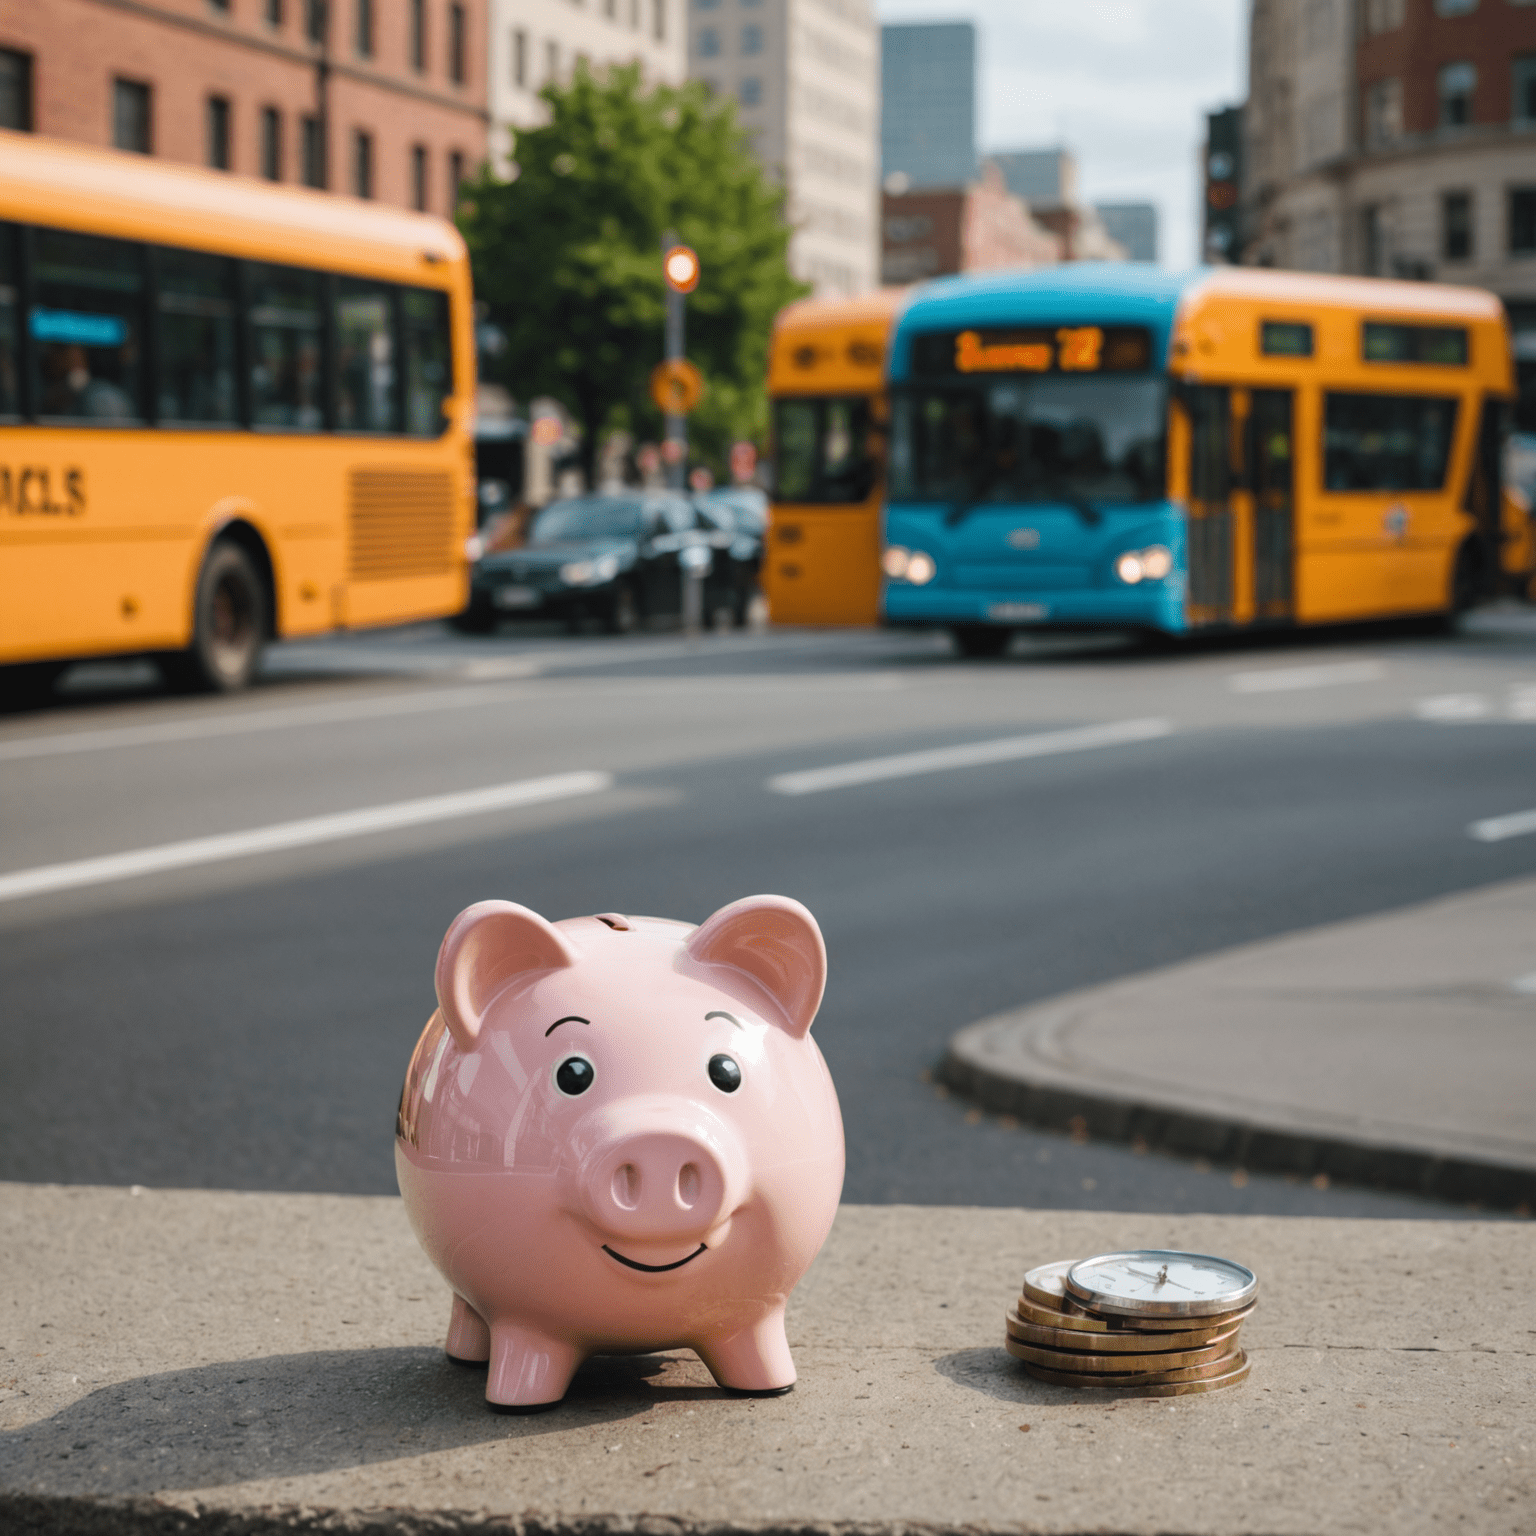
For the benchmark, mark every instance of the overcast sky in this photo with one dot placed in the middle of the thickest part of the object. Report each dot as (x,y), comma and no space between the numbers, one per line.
(1124,84)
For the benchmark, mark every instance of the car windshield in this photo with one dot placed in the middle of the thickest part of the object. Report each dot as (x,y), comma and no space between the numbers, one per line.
(1098,439)
(586,517)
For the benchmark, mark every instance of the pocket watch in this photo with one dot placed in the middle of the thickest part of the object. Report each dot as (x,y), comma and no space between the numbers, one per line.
(1157,1282)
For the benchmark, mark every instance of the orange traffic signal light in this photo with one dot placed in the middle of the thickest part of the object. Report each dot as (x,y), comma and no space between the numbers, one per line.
(681,268)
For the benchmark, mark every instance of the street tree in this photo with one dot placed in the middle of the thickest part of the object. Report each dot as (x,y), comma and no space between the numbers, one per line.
(566,250)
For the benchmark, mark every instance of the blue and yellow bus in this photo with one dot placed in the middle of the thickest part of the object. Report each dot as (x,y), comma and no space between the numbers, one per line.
(1113,445)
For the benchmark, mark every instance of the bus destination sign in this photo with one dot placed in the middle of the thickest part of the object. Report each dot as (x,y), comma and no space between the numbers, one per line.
(1035,349)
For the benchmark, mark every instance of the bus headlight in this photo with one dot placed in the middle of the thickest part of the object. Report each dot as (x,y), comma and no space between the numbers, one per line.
(590,573)
(921,568)
(1149,564)
(895,561)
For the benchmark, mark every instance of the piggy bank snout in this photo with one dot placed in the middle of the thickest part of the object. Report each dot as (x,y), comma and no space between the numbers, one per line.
(658,1181)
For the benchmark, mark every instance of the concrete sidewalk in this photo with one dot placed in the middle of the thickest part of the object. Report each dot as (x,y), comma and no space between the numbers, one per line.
(1396,1050)
(180,1361)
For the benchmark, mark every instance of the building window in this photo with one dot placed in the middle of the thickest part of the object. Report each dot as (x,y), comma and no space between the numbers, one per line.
(271,144)
(751,91)
(316,20)
(273,10)
(520,58)
(364,38)
(1383,112)
(752,39)
(1456,226)
(611,9)
(706,5)
(419,177)
(1525,90)
(1522,221)
(312,149)
(418,28)
(1372,241)
(1454,7)
(457,65)
(551,62)
(15,90)
(709,43)
(1383,15)
(217,125)
(455,180)
(131,108)
(659,20)
(221,6)
(1456,85)
(362,162)
(634,15)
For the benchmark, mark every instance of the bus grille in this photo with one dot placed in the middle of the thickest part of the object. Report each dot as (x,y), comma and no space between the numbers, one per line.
(402,524)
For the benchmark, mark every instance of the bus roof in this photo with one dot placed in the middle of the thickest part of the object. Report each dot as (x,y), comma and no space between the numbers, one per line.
(832,346)
(114,192)
(875,309)
(1368,295)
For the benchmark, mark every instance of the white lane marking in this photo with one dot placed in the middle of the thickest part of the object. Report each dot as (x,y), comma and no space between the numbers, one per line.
(1522,701)
(972,755)
(246,722)
(1325,675)
(1494,829)
(297,834)
(1525,984)
(1453,708)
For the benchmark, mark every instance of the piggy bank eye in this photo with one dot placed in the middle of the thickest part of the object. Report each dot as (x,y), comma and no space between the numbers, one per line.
(574,1075)
(724,1074)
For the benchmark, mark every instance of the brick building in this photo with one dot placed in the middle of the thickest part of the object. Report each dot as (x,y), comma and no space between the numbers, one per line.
(379,99)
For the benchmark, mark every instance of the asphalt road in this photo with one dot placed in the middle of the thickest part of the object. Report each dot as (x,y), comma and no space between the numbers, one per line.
(243,1020)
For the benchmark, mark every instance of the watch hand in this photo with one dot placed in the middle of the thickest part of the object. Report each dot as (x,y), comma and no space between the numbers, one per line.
(1157,1279)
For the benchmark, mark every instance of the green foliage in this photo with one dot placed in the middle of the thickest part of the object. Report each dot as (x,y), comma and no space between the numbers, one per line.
(567,256)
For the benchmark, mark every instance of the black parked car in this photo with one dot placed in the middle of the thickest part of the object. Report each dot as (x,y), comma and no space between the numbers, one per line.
(618,558)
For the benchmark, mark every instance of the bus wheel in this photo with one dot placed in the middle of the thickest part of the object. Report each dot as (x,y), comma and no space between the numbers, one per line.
(28,684)
(980,639)
(229,625)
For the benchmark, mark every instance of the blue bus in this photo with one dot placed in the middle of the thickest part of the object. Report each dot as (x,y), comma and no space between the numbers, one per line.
(1112,445)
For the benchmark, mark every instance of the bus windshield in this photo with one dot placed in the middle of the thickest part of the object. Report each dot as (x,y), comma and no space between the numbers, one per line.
(1081,440)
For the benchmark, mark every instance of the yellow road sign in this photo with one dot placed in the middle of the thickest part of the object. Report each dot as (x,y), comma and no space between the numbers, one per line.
(676,386)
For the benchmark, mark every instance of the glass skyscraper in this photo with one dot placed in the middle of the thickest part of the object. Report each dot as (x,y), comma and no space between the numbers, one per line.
(928,104)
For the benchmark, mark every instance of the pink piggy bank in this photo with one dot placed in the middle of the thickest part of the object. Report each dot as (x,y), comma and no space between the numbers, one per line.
(617,1135)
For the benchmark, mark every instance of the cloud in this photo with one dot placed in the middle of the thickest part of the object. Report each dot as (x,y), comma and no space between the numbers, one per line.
(1124,84)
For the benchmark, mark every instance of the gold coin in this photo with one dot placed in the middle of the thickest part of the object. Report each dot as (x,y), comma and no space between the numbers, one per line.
(1151,1386)
(1114,1343)
(1046,1285)
(1119,1365)
(1080,1321)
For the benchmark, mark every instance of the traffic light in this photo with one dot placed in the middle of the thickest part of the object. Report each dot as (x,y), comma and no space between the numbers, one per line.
(680,265)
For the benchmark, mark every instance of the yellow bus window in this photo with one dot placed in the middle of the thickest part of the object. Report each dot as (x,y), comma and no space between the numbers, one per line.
(286,332)
(85,323)
(1285,338)
(1445,345)
(196,335)
(1386,442)
(10,329)
(366,382)
(428,360)
(822,450)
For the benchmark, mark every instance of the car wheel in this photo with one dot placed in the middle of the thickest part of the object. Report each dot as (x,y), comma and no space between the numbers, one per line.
(980,639)
(477,616)
(229,625)
(623,616)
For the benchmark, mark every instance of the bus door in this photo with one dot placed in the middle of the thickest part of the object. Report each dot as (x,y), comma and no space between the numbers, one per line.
(1270,478)
(1211,483)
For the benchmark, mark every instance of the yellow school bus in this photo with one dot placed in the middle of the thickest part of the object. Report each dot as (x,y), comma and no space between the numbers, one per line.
(228,411)
(825,380)
(1110,445)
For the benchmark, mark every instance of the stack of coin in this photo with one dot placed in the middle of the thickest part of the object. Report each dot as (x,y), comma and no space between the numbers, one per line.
(1073,1342)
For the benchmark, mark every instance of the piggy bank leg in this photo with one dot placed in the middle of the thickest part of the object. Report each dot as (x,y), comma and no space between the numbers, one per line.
(528,1369)
(756,1360)
(469,1340)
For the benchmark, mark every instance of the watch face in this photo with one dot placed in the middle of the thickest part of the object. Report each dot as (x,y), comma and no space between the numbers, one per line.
(1158,1282)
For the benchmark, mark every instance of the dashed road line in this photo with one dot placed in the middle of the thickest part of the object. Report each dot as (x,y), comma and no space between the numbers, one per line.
(1331,674)
(1497,829)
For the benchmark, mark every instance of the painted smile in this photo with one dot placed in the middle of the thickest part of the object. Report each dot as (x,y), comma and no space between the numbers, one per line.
(653,1269)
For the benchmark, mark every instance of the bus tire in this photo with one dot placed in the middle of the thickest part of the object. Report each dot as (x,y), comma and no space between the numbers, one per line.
(229,625)
(29,684)
(977,640)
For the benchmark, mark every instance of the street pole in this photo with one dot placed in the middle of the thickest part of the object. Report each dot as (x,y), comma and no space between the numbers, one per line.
(677,426)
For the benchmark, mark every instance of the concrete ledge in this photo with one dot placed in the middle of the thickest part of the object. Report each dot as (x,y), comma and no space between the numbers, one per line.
(253,1364)
(1394,1051)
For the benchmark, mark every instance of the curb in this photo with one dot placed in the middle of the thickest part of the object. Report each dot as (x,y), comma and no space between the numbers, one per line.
(1082,1107)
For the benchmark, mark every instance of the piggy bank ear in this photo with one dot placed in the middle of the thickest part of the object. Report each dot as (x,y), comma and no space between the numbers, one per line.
(489,946)
(776,942)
